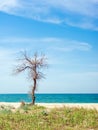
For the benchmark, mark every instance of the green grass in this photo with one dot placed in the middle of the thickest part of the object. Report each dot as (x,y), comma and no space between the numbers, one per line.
(40,118)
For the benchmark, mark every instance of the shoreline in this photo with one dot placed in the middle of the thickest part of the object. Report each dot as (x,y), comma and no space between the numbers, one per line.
(55,105)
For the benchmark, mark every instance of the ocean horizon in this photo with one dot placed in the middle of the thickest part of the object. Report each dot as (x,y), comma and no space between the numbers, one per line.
(51,98)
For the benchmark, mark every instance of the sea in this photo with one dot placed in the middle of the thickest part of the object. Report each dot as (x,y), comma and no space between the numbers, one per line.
(51,98)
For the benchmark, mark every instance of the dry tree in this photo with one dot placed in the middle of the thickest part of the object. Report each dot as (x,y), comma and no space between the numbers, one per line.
(33,65)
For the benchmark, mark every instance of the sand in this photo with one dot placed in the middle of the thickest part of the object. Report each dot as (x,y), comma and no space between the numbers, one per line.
(56,105)
(15,105)
(70,105)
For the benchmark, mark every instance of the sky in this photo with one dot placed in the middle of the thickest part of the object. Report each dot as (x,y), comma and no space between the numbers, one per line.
(65,31)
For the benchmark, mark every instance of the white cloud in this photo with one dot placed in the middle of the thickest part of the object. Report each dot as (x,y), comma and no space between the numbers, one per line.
(29,40)
(56,11)
(8,5)
(72,45)
(10,48)
(85,24)
(52,43)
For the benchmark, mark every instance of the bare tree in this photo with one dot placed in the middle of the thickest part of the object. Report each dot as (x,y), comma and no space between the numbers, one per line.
(34,67)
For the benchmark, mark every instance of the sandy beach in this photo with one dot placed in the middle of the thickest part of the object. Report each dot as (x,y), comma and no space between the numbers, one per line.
(71,105)
(56,105)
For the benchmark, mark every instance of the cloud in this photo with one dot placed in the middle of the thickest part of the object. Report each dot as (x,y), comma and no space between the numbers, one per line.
(29,40)
(84,24)
(51,46)
(82,14)
(8,6)
(53,43)
(71,45)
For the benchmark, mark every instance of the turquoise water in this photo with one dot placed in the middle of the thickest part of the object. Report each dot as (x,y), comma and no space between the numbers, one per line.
(51,98)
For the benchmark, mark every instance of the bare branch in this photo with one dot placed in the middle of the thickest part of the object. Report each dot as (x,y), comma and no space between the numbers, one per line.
(20,69)
(27,58)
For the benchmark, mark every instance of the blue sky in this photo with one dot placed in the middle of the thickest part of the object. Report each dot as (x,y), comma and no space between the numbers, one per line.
(66,31)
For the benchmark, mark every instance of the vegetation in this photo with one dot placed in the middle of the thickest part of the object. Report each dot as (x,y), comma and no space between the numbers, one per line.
(33,66)
(39,118)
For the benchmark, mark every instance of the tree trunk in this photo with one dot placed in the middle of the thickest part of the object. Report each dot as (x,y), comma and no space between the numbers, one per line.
(33,92)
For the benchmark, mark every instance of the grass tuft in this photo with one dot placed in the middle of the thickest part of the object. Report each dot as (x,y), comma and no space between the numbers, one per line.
(39,118)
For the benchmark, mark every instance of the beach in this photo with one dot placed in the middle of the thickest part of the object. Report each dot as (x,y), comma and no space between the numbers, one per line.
(55,105)
(70,105)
